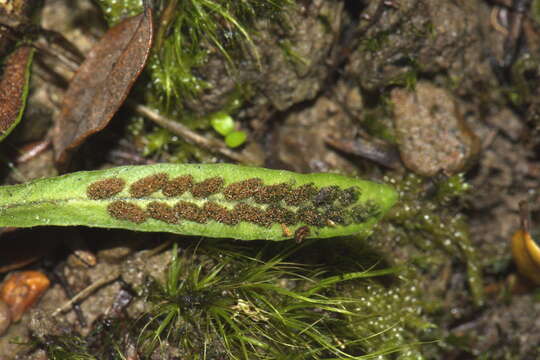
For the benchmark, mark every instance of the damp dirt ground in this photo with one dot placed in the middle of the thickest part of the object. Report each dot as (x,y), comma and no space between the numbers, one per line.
(376,89)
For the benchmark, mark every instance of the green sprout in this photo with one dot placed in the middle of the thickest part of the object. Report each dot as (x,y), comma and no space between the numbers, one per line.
(235,139)
(223,123)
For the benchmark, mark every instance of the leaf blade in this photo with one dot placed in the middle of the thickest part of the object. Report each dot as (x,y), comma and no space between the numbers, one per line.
(102,83)
(65,201)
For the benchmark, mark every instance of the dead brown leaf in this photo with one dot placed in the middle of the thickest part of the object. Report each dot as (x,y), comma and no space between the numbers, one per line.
(14,88)
(102,83)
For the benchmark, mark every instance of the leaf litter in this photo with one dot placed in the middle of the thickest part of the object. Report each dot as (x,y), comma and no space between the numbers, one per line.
(14,88)
(102,83)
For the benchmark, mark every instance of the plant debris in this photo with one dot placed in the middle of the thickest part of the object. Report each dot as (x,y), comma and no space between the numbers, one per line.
(102,83)
(14,88)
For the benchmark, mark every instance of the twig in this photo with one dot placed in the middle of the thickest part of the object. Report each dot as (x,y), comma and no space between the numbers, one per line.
(58,273)
(151,252)
(187,134)
(213,145)
(32,150)
(378,152)
(86,292)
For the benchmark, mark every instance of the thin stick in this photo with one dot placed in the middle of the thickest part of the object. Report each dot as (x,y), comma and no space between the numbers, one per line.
(86,292)
(112,277)
(58,273)
(151,252)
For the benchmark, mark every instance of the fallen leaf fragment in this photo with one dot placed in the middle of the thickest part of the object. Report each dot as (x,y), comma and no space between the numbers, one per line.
(528,262)
(14,79)
(102,83)
(525,249)
(21,290)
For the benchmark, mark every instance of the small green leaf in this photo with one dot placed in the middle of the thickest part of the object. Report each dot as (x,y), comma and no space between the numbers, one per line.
(235,139)
(223,123)
(213,200)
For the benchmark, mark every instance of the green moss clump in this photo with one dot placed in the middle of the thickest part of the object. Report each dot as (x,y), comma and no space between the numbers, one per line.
(451,188)
(429,216)
(192,30)
(329,299)
(115,11)
(189,34)
(241,306)
(199,28)
(109,339)
(395,313)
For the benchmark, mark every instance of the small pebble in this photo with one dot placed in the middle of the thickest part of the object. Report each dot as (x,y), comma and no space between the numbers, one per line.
(431,132)
(21,290)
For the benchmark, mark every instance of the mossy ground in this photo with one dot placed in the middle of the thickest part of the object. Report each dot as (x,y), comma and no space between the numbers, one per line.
(266,301)
(188,35)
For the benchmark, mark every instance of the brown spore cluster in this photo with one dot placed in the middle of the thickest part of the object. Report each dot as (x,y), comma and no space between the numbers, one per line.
(300,195)
(148,185)
(280,215)
(220,213)
(251,201)
(335,215)
(311,216)
(163,212)
(178,186)
(243,189)
(327,195)
(105,189)
(207,187)
(123,210)
(272,193)
(362,213)
(251,214)
(190,211)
